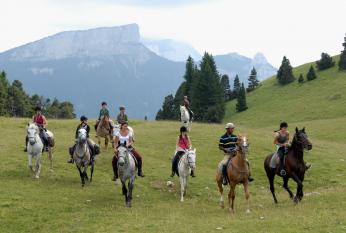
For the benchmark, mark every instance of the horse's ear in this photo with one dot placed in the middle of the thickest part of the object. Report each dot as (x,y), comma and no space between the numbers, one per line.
(303,130)
(297,130)
(28,124)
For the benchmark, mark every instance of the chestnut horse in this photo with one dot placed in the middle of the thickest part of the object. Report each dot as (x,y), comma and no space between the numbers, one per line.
(294,165)
(104,131)
(237,173)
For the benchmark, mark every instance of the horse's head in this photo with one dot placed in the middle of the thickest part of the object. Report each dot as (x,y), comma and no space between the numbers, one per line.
(122,154)
(32,133)
(243,144)
(105,119)
(82,135)
(301,137)
(191,158)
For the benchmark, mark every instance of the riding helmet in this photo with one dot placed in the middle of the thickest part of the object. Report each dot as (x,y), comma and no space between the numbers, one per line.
(103,103)
(38,108)
(183,129)
(122,108)
(283,125)
(83,118)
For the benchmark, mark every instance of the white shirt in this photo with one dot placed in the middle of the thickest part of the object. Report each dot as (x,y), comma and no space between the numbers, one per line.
(123,139)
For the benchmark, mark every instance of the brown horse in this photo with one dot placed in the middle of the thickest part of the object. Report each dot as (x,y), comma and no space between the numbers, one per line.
(104,131)
(237,173)
(294,165)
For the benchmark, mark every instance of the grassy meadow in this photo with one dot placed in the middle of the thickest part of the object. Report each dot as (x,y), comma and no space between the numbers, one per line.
(57,203)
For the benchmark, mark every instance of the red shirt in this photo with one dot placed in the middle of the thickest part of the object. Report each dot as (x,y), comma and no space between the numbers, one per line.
(38,119)
(184,142)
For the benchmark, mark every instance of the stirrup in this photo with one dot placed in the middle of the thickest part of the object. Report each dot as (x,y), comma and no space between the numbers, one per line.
(282,172)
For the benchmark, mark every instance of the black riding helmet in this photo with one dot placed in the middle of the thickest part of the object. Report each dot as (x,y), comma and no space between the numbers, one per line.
(283,125)
(38,108)
(183,129)
(103,103)
(121,108)
(83,118)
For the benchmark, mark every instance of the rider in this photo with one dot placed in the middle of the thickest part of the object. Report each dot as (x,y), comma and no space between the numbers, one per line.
(122,116)
(40,120)
(91,144)
(183,144)
(281,140)
(186,103)
(124,136)
(103,113)
(228,145)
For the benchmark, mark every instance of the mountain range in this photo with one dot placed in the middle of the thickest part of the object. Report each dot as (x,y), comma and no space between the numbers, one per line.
(113,64)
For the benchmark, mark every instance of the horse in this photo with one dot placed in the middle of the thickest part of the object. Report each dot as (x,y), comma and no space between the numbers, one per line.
(294,166)
(185,117)
(34,148)
(82,156)
(104,130)
(186,163)
(127,171)
(237,173)
(51,144)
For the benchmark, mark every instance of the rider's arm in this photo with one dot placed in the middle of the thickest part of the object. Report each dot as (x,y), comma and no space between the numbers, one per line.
(188,138)
(45,123)
(276,142)
(116,142)
(130,142)
(33,119)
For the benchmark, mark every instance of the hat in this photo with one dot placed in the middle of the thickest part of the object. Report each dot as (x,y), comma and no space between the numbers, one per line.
(230,126)
(103,103)
(83,118)
(122,108)
(38,108)
(183,129)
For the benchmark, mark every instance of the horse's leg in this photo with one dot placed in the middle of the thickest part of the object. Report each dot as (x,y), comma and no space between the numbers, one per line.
(219,184)
(285,179)
(124,189)
(271,177)
(81,175)
(30,163)
(85,171)
(231,196)
(50,157)
(38,166)
(106,142)
(301,193)
(296,199)
(182,187)
(247,196)
(131,186)
(91,171)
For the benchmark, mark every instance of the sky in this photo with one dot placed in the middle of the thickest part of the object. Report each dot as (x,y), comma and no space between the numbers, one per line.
(298,29)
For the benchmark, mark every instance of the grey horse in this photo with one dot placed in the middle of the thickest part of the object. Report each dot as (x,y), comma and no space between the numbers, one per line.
(127,171)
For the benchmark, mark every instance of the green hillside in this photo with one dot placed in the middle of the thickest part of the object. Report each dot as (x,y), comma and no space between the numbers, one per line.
(322,98)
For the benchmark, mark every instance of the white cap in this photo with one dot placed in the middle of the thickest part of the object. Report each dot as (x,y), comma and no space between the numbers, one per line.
(230,125)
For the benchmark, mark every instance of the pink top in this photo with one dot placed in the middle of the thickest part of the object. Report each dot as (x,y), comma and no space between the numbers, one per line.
(183,142)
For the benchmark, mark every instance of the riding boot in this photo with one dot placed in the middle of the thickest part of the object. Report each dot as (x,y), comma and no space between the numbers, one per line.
(250,178)
(140,172)
(26,144)
(71,151)
(174,164)
(115,167)
(282,160)
(224,174)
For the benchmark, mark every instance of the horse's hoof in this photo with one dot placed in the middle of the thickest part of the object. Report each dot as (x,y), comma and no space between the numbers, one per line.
(231,211)
(295,200)
(248,211)
(128,204)
(37,176)
(182,200)
(222,205)
(51,170)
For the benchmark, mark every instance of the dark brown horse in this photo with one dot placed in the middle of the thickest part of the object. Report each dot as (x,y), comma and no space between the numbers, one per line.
(294,165)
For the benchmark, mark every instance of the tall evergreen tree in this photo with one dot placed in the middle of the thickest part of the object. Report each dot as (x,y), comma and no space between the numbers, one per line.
(167,111)
(189,75)
(325,62)
(342,61)
(285,73)
(18,101)
(241,99)
(253,81)
(226,87)
(4,86)
(311,75)
(236,86)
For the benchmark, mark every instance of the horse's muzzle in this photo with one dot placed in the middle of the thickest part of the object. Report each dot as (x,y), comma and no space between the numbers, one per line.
(309,147)
(32,143)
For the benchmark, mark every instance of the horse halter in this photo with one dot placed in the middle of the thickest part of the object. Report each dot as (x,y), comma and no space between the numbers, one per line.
(191,163)
(34,136)
(123,155)
(243,146)
(304,142)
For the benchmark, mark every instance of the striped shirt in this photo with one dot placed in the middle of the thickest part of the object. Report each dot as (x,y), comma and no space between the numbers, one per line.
(228,142)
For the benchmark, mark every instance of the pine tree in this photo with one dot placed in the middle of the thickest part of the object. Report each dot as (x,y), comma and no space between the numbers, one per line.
(325,62)
(311,75)
(19,104)
(342,61)
(253,81)
(301,78)
(236,86)
(285,73)
(241,99)
(189,75)
(4,86)
(226,87)
(167,111)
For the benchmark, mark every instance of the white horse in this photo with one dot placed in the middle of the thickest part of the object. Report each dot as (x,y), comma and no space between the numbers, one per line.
(81,155)
(127,171)
(186,163)
(185,117)
(34,148)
